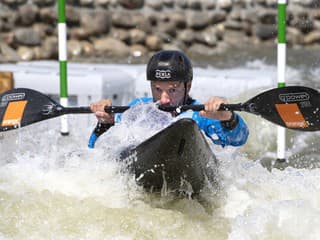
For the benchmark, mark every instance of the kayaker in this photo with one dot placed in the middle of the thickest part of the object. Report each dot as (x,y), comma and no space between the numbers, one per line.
(170,74)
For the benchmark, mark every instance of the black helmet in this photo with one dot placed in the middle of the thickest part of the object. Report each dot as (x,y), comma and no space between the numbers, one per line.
(169,65)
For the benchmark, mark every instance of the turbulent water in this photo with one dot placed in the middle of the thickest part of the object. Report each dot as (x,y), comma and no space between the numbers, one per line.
(54,187)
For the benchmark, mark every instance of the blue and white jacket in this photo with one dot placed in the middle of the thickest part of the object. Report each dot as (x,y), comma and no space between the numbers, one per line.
(211,127)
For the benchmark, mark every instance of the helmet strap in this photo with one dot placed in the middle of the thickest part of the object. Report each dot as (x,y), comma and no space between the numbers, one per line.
(185,93)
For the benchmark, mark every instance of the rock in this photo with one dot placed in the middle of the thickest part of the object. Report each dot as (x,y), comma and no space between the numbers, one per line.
(154,4)
(130,21)
(111,47)
(305,3)
(49,48)
(208,38)
(305,25)
(43,29)
(8,19)
(247,28)
(27,36)
(73,16)
(235,38)
(14,3)
(316,24)
(187,36)
(265,32)
(138,50)
(72,2)
(42,3)
(26,54)
(224,4)
(233,25)
(235,14)
(80,33)
(209,4)
(315,14)
(131,4)
(137,36)
(293,36)
(312,37)
(165,37)
(197,50)
(301,19)
(121,35)
(37,53)
(218,16)
(168,3)
(153,42)
(86,3)
(250,15)
(8,53)
(272,3)
(179,20)
(168,28)
(48,15)
(267,16)
(87,48)
(195,4)
(176,45)
(182,4)
(96,22)
(7,38)
(28,14)
(102,3)
(74,48)
(197,20)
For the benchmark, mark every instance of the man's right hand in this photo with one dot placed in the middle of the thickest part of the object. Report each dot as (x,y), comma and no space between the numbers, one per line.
(98,109)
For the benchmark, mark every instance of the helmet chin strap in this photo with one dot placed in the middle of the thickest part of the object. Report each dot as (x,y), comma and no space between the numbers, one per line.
(185,94)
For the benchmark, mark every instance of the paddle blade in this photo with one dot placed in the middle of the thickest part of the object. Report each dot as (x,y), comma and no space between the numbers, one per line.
(293,107)
(20,107)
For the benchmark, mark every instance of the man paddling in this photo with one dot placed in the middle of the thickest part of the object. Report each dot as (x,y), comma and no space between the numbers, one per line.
(170,74)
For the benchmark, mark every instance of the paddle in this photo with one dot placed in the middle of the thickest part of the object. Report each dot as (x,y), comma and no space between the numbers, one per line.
(293,107)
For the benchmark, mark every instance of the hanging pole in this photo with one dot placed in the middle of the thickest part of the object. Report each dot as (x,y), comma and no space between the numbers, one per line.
(62,32)
(281,138)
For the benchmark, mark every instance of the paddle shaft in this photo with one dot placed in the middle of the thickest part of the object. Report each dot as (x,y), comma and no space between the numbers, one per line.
(121,109)
(75,110)
(183,108)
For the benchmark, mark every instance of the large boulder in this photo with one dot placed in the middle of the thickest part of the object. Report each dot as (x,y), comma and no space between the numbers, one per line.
(111,47)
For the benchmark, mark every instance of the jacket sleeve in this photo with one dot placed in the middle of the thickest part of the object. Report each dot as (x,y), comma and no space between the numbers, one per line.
(220,135)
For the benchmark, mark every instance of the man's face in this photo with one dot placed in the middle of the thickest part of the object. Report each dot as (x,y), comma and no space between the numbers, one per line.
(169,93)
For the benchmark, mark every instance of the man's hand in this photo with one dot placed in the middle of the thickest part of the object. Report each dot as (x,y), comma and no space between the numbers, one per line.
(211,109)
(98,109)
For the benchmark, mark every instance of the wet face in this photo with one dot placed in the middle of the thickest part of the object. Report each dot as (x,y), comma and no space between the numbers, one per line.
(169,93)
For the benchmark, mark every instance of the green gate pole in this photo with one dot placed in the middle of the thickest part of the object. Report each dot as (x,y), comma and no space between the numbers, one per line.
(62,32)
(281,140)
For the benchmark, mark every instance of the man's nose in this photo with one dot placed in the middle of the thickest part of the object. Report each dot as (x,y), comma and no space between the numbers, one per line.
(164,98)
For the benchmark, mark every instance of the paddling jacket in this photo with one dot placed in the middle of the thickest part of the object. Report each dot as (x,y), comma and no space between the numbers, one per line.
(220,132)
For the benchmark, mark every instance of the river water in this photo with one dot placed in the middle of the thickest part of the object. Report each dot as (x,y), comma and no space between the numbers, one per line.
(54,187)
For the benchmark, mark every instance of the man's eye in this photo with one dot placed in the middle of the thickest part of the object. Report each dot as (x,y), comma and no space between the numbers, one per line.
(172,90)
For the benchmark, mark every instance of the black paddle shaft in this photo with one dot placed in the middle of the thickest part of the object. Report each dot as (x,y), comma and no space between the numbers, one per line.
(183,108)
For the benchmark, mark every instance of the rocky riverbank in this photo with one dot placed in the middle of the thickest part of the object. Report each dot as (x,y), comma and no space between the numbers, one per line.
(132,29)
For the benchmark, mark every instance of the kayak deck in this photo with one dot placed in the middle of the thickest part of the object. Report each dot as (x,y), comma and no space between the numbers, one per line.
(178,158)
